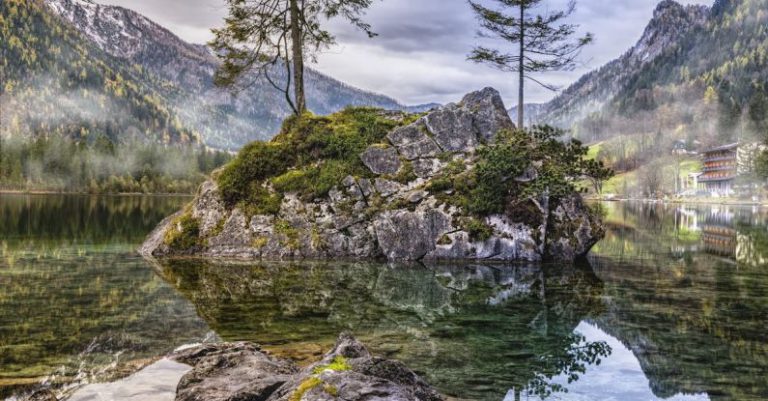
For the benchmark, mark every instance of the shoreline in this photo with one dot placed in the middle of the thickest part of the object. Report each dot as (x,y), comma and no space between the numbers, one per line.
(46,192)
(700,201)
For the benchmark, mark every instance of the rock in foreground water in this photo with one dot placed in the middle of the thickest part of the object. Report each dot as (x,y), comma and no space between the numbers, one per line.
(241,371)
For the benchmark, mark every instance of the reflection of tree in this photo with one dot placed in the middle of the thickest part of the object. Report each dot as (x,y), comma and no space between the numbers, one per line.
(51,223)
(473,331)
(695,326)
(579,355)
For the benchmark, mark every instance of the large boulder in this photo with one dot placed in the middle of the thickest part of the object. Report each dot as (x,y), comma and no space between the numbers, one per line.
(413,142)
(453,128)
(489,115)
(406,235)
(242,371)
(398,212)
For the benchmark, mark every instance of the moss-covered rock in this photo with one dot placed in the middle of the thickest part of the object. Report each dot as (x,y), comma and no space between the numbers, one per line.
(455,183)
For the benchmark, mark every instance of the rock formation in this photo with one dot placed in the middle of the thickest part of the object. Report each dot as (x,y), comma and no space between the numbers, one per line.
(398,219)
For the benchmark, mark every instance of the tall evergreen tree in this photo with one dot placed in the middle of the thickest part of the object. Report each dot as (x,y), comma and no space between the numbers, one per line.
(544,42)
(262,34)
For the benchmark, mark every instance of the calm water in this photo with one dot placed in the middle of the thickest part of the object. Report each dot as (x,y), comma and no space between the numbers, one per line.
(672,305)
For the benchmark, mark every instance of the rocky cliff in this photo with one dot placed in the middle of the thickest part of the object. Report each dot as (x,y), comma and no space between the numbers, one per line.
(401,207)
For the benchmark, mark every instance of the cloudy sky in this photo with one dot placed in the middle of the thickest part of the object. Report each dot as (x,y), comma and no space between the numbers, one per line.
(420,53)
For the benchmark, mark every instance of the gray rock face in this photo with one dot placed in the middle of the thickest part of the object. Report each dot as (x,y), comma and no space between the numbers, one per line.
(582,234)
(364,218)
(231,372)
(405,235)
(488,113)
(241,371)
(412,141)
(453,128)
(381,161)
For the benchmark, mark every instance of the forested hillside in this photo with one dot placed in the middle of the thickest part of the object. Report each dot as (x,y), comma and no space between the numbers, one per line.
(223,120)
(697,75)
(74,118)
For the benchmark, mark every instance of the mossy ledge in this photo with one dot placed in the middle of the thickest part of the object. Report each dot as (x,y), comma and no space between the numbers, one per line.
(457,183)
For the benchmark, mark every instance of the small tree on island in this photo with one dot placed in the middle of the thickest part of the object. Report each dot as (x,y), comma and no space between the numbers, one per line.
(259,35)
(543,43)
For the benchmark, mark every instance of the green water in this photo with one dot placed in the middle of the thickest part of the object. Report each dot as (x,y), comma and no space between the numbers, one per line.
(673,304)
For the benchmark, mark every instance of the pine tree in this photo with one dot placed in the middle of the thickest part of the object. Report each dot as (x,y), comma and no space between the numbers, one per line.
(261,34)
(544,44)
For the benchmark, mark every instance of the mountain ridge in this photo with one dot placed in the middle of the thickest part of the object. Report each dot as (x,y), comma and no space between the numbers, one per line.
(223,120)
(670,21)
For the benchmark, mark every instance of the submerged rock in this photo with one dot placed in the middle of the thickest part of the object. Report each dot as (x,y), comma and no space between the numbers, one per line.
(242,371)
(399,212)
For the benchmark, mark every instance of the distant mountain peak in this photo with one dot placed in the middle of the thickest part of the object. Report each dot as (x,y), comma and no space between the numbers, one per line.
(670,22)
(185,74)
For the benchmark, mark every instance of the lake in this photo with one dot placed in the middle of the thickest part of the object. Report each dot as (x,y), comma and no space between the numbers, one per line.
(672,304)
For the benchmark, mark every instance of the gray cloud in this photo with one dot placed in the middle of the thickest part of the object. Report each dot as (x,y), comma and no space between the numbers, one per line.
(420,53)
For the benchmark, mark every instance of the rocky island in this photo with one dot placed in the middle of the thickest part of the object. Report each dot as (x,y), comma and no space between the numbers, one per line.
(459,182)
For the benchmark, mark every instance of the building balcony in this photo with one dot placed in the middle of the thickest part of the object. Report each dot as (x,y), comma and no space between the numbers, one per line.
(718,168)
(708,159)
(726,177)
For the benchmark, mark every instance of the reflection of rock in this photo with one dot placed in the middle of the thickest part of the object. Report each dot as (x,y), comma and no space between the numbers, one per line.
(478,317)
(241,371)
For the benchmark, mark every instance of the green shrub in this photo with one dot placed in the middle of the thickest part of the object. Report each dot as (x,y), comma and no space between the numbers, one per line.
(439,184)
(309,156)
(405,174)
(255,162)
(184,233)
(261,202)
(477,229)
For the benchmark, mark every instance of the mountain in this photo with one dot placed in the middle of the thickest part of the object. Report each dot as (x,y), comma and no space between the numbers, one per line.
(596,90)
(55,83)
(74,118)
(698,77)
(223,120)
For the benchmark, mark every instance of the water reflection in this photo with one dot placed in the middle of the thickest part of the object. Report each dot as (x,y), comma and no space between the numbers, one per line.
(686,289)
(674,303)
(75,302)
(472,331)
(647,230)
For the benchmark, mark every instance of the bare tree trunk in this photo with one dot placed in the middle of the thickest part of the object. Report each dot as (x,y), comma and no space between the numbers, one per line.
(521,97)
(298,58)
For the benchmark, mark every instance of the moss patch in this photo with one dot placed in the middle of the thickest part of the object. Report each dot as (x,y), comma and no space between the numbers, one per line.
(339,364)
(305,386)
(309,156)
(477,229)
(184,233)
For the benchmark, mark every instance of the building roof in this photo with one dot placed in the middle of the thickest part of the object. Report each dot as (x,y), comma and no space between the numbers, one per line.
(723,147)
